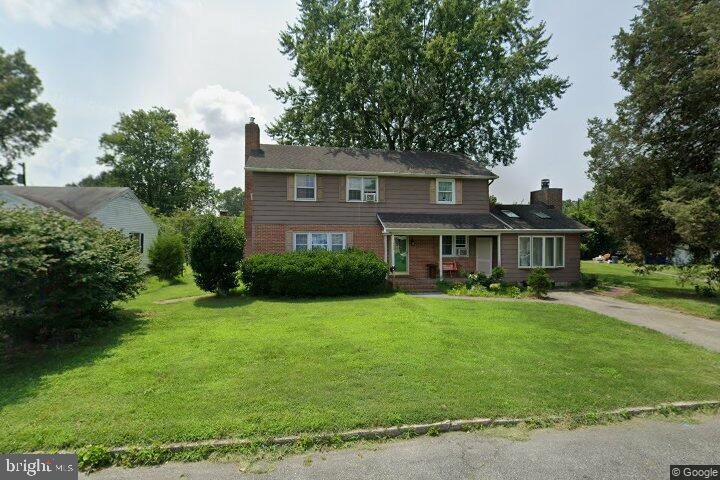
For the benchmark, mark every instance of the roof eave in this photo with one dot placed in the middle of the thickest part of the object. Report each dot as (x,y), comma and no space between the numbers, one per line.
(477,231)
(362,172)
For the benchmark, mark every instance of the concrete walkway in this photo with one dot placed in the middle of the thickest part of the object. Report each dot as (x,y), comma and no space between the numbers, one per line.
(641,448)
(697,330)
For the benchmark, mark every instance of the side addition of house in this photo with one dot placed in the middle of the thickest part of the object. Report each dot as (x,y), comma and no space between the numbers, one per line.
(427,214)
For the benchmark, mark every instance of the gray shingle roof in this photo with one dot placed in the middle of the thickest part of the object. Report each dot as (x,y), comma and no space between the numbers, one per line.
(346,160)
(463,221)
(495,220)
(528,218)
(75,202)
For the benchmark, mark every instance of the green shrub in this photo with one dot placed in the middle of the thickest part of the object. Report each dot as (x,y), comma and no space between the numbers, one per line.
(497,274)
(216,253)
(539,282)
(495,287)
(93,457)
(705,291)
(314,274)
(167,256)
(57,273)
(589,280)
(478,278)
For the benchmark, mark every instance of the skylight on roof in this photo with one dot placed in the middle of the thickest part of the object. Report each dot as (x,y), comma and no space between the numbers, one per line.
(541,214)
(510,213)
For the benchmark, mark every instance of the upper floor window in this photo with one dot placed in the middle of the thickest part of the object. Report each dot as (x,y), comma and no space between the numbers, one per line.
(445,190)
(548,252)
(362,189)
(305,187)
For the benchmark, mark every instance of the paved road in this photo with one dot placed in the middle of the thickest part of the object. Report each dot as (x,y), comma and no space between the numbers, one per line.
(641,448)
(697,330)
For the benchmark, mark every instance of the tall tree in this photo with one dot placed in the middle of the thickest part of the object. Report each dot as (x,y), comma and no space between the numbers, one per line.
(454,75)
(654,163)
(168,169)
(25,123)
(232,201)
(102,179)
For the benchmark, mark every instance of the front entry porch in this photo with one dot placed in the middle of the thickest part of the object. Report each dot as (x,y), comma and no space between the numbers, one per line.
(417,262)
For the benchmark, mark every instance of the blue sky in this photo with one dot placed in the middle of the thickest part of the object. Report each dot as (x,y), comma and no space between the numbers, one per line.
(212,63)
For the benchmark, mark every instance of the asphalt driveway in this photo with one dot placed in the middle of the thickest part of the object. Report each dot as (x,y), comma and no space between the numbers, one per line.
(697,330)
(641,448)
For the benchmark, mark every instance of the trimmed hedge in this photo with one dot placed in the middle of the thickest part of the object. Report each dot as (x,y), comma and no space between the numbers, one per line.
(316,273)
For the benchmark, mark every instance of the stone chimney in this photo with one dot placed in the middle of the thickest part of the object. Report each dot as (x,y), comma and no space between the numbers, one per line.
(552,197)
(252,137)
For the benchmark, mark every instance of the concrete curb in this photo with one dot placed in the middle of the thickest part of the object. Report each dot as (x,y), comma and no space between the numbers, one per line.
(420,429)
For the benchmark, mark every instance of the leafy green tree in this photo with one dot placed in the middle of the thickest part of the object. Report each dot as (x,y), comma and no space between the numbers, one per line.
(232,201)
(216,253)
(25,123)
(102,179)
(168,169)
(586,211)
(460,76)
(657,162)
(57,273)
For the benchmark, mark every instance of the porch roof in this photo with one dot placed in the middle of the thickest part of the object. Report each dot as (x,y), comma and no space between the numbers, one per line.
(439,221)
(493,222)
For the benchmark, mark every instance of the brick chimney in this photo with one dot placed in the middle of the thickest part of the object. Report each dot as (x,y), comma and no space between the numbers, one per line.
(552,197)
(252,137)
(252,142)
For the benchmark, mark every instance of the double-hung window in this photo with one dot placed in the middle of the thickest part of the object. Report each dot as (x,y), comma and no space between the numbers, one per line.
(319,241)
(305,187)
(362,189)
(454,246)
(545,252)
(445,190)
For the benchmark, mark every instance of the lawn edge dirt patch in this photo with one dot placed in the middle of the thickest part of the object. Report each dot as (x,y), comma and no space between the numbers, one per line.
(94,457)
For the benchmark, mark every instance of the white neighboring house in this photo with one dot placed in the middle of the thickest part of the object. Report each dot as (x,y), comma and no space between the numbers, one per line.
(114,207)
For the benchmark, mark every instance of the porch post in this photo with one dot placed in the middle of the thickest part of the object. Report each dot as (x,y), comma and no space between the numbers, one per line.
(440,269)
(392,251)
(499,247)
(385,239)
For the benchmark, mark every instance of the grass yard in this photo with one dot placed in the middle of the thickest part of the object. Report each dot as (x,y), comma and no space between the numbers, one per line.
(239,366)
(658,288)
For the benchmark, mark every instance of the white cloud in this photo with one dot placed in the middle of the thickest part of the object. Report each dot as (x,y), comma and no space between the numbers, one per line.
(62,160)
(220,112)
(85,14)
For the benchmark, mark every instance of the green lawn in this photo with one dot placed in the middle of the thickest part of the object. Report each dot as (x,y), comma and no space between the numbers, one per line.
(658,288)
(239,366)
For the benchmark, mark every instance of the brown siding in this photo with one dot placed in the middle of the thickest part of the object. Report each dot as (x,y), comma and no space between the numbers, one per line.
(401,194)
(562,276)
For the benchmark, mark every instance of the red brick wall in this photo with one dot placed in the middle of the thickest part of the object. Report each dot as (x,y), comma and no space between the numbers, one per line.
(426,251)
(270,237)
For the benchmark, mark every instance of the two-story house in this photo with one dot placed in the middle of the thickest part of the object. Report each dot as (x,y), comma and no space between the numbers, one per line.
(427,214)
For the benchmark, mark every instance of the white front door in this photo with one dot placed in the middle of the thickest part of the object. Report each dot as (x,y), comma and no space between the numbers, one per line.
(483,255)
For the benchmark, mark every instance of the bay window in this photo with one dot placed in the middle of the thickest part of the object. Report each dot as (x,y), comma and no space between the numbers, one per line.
(319,241)
(541,252)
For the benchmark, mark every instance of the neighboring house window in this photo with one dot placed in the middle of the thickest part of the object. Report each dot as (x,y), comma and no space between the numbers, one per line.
(139,239)
(305,187)
(445,190)
(362,189)
(454,246)
(319,241)
(547,252)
